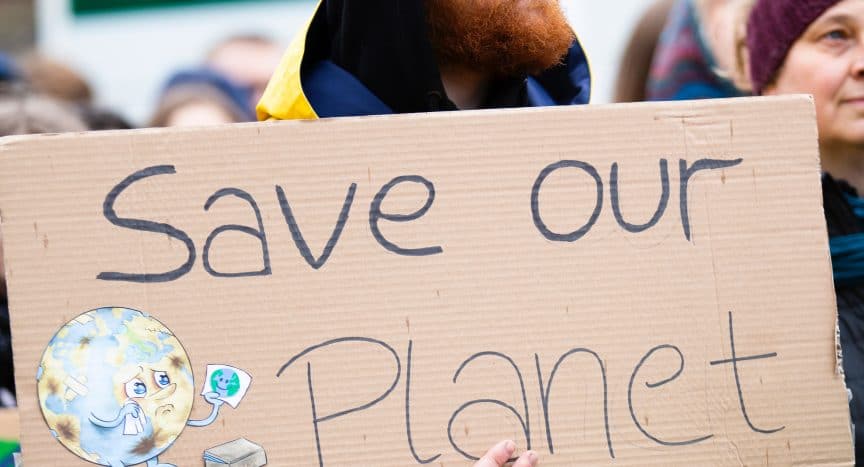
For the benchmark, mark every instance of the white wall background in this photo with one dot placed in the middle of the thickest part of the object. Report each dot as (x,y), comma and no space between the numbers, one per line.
(128,56)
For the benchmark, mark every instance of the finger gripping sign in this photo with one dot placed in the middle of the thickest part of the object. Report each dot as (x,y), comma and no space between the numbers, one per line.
(612,285)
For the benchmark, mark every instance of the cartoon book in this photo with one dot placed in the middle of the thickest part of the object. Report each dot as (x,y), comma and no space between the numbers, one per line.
(238,453)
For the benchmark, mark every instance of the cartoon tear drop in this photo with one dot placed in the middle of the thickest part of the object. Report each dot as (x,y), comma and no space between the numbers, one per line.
(131,387)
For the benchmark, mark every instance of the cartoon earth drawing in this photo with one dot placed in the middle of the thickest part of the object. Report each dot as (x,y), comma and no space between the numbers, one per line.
(225,382)
(116,387)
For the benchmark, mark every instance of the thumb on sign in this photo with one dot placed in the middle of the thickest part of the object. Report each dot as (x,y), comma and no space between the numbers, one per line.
(501,453)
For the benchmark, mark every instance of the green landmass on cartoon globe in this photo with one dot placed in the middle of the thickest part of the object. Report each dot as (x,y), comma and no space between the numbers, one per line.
(225,382)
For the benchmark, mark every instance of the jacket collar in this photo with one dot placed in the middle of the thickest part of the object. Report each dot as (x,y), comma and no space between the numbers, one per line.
(330,58)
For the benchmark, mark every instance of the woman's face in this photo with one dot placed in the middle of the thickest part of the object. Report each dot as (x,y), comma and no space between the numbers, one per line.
(827,61)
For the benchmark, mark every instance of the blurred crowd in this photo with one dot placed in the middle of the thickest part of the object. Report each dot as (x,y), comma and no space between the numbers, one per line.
(680,49)
(39,94)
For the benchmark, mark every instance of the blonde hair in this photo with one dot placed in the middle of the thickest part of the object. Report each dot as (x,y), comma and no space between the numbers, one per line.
(741,72)
(739,12)
(635,65)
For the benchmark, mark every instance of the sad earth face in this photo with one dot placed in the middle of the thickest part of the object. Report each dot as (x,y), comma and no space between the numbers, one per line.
(116,387)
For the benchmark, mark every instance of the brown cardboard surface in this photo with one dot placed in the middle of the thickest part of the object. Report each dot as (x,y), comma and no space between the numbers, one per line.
(637,327)
(9,424)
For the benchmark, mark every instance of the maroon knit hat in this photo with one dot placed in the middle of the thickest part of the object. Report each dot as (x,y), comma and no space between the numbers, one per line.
(773,27)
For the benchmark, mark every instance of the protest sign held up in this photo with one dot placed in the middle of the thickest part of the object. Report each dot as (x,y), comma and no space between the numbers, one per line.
(635,284)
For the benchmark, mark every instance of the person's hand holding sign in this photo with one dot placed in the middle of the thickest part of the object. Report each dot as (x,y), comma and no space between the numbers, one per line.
(499,454)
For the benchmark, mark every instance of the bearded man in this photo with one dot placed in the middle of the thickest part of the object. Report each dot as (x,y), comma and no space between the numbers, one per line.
(369,57)
(366,57)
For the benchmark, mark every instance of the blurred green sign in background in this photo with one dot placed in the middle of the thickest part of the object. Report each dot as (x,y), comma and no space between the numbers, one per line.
(85,7)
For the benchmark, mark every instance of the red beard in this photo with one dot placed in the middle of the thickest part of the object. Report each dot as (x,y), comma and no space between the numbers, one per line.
(502,37)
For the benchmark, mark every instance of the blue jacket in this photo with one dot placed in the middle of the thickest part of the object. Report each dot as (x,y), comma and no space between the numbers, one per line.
(364,57)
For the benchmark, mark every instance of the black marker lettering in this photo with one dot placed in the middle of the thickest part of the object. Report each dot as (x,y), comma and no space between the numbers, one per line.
(316,263)
(408,412)
(316,419)
(545,393)
(687,173)
(661,206)
(656,385)
(375,215)
(524,422)
(535,201)
(734,361)
(145,226)
(259,234)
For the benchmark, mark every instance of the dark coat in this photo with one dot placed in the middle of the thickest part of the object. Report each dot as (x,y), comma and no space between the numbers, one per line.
(7,380)
(850,306)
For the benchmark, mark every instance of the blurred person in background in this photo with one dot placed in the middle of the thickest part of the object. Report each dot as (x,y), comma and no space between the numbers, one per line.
(9,72)
(364,57)
(697,54)
(21,113)
(9,76)
(58,80)
(630,86)
(247,60)
(201,97)
(817,47)
(51,78)
(100,119)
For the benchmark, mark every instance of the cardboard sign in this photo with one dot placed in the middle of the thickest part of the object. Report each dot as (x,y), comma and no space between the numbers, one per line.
(630,285)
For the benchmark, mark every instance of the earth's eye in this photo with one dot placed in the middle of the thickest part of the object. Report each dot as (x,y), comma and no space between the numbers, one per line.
(161,378)
(135,388)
